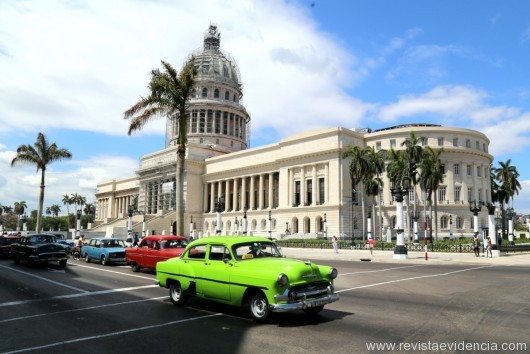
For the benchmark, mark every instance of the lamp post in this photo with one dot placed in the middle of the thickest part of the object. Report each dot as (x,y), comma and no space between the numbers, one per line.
(270,226)
(236,227)
(415,215)
(143,224)
(130,211)
(191,228)
(219,206)
(325,227)
(475,208)
(353,202)
(510,214)
(451,227)
(245,225)
(24,225)
(398,191)
(492,234)
(78,224)
(369,224)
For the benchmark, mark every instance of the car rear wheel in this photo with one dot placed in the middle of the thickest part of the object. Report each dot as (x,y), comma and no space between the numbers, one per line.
(62,263)
(313,310)
(135,267)
(259,307)
(87,259)
(176,294)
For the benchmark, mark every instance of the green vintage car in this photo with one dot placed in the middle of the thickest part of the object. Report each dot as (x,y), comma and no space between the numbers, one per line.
(247,271)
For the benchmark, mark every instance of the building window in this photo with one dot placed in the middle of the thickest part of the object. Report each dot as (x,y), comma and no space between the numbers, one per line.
(457,194)
(443,222)
(424,141)
(392,143)
(459,222)
(455,142)
(218,122)
(209,121)
(193,93)
(194,122)
(309,192)
(205,92)
(321,191)
(378,146)
(216,93)
(442,168)
(202,120)
(441,141)
(480,195)
(468,143)
(227,95)
(477,145)
(441,194)
(469,194)
(479,174)
(456,169)
(225,123)
(296,193)
(484,147)
(468,167)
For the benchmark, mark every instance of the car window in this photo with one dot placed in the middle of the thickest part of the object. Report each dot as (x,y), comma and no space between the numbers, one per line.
(197,252)
(252,250)
(172,244)
(218,253)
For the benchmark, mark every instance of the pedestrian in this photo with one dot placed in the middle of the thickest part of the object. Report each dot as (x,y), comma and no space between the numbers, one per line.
(334,241)
(476,245)
(488,248)
(371,245)
(136,239)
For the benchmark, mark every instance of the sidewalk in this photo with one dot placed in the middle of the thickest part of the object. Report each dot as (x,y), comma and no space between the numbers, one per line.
(517,259)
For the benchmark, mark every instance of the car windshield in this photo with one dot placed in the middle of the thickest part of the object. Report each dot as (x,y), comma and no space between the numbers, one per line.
(173,243)
(113,243)
(251,250)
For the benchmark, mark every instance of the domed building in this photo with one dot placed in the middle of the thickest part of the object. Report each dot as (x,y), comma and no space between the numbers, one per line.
(297,187)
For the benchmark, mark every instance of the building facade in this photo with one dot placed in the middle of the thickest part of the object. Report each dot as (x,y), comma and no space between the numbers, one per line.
(297,187)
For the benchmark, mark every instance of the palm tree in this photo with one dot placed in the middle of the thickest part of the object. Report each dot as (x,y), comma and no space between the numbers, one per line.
(55,209)
(67,200)
(431,176)
(359,169)
(169,94)
(373,181)
(41,155)
(414,151)
(508,186)
(90,210)
(19,209)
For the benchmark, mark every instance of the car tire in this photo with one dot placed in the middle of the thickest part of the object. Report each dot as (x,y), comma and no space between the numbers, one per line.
(135,267)
(62,263)
(313,310)
(176,294)
(87,258)
(258,307)
(16,260)
(104,261)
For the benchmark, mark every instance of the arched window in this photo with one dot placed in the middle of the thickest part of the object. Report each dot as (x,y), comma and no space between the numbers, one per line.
(443,222)
(234,97)
(227,95)
(216,93)
(204,92)
(263,224)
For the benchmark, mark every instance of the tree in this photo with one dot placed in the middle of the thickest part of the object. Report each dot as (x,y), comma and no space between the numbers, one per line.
(41,154)
(373,182)
(431,177)
(67,200)
(19,209)
(90,210)
(55,209)
(168,96)
(508,186)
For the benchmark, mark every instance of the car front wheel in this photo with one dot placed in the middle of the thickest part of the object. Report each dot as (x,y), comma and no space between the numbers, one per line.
(176,294)
(135,267)
(104,261)
(259,307)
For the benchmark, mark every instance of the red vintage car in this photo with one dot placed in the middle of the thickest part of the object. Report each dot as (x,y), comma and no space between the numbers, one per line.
(153,249)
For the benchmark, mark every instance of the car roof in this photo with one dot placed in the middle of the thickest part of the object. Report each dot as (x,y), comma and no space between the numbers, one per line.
(164,237)
(106,238)
(230,240)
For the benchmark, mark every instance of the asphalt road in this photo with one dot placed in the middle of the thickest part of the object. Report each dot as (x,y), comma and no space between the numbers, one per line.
(89,308)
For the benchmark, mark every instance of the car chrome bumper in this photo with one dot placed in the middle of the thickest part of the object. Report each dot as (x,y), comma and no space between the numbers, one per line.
(304,304)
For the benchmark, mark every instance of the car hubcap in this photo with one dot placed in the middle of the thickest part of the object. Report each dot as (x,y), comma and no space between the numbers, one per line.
(259,307)
(175,293)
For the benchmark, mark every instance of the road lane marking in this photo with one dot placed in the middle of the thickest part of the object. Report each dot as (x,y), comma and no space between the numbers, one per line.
(101,292)
(82,309)
(44,279)
(112,271)
(127,331)
(413,278)
(383,270)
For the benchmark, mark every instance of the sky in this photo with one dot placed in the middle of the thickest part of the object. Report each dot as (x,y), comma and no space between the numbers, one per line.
(69,69)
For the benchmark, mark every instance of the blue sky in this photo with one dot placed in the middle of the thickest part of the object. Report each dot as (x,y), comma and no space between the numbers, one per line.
(70,69)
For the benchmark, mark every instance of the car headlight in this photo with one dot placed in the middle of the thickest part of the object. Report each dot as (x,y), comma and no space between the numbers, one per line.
(282,280)
(333,273)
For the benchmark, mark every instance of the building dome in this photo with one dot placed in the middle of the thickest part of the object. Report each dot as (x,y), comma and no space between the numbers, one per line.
(216,116)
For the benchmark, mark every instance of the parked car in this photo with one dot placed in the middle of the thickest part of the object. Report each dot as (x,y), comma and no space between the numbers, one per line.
(5,245)
(104,250)
(153,249)
(39,248)
(247,271)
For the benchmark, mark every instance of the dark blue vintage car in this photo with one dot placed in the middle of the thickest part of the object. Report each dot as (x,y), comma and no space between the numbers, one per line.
(39,248)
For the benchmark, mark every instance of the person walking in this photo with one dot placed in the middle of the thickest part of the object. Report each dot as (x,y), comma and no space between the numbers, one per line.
(488,248)
(476,246)
(334,241)
(371,245)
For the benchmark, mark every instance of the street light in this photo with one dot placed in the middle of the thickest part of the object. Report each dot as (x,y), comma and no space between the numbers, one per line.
(245,221)
(219,206)
(325,228)
(492,234)
(510,214)
(24,225)
(415,215)
(130,211)
(143,224)
(451,227)
(191,228)
(475,208)
(78,224)
(398,191)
